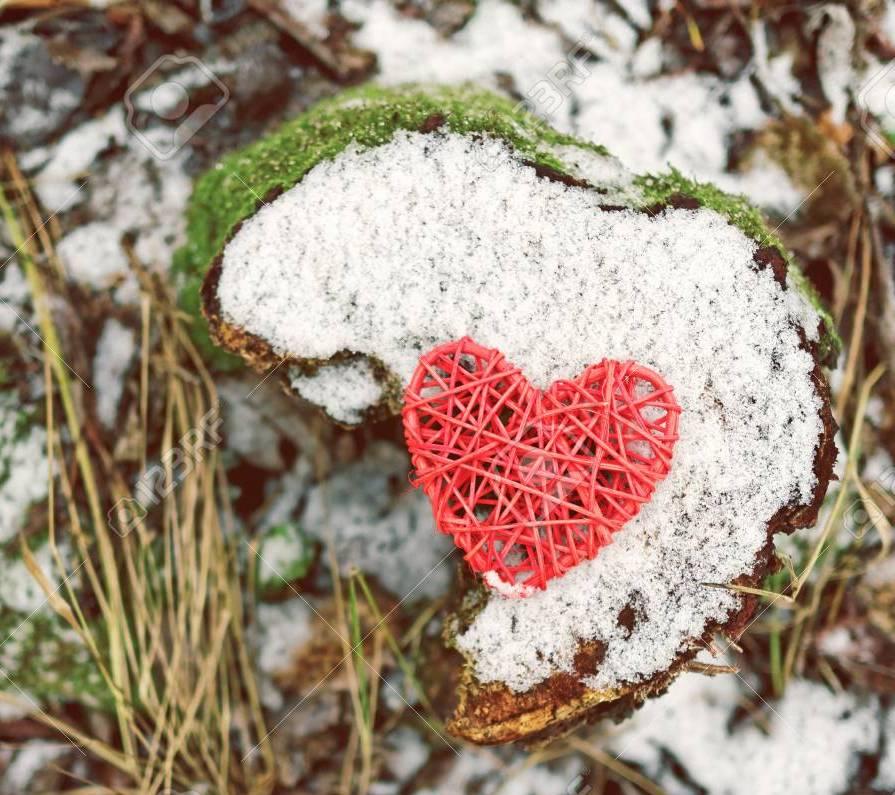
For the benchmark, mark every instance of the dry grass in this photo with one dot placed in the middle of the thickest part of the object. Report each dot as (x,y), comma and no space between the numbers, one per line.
(168,634)
(798,606)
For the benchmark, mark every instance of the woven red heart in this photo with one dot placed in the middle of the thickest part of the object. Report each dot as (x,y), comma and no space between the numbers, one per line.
(530,483)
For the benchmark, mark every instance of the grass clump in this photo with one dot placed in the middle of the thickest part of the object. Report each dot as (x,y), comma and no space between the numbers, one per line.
(156,605)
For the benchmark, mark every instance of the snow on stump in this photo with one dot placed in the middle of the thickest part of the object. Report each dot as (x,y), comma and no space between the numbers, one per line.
(384,223)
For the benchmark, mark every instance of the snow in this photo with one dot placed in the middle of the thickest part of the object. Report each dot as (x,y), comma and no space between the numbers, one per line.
(594,25)
(344,389)
(837,643)
(33,757)
(813,746)
(288,493)
(246,427)
(147,198)
(887,22)
(13,711)
(131,193)
(766,184)
(114,352)
(875,92)
(13,295)
(278,554)
(380,525)
(91,255)
(885,779)
(279,631)
(607,172)
(19,590)
(677,292)
(406,753)
(774,72)
(23,466)
(484,771)
(834,55)
(684,120)
(310,13)
(37,97)
(284,627)
(496,39)
(880,573)
(58,185)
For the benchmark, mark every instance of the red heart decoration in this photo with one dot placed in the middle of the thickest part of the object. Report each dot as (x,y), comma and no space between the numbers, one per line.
(530,483)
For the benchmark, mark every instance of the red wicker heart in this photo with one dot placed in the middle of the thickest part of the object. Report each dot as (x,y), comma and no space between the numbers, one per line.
(530,483)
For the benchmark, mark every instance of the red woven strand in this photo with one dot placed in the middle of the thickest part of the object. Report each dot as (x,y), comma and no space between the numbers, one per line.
(531,483)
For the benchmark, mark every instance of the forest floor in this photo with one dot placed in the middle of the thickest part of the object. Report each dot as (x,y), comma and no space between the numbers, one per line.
(324,681)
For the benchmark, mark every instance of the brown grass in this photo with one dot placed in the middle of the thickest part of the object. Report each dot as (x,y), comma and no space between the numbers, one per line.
(168,638)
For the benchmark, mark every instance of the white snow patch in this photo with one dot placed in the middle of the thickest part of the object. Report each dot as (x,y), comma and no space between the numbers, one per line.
(146,197)
(14,293)
(516,591)
(114,353)
(277,554)
(247,428)
(885,779)
(19,590)
(33,757)
(406,753)
(288,493)
(28,118)
(59,185)
(813,747)
(596,26)
(284,628)
(684,121)
(497,39)
(10,711)
(23,466)
(92,255)
(837,642)
(887,23)
(597,169)
(343,389)
(381,525)
(880,573)
(774,72)
(875,92)
(363,255)
(279,631)
(482,770)
(834,55)
(766,184)
(310,13)
(132,192)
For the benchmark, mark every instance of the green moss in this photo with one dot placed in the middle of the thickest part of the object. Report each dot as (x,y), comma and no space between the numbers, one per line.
(45,659)
(285,554)
(369,117)
(40,654)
